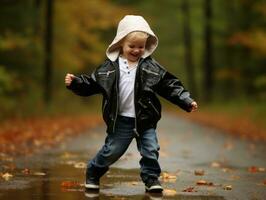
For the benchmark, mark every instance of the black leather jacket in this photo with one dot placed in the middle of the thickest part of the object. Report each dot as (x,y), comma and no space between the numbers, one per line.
(151,79)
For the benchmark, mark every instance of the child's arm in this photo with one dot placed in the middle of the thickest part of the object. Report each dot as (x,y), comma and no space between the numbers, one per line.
(82,85)
(173,90)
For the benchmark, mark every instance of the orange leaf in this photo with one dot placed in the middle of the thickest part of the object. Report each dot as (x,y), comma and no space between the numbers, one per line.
(70,184)
(26,171)
(253,169)
(189,189)
(203,182)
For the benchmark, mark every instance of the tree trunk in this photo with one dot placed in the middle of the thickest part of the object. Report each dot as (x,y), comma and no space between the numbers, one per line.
(48,42)
(37,24)
(189,64)
(208,81)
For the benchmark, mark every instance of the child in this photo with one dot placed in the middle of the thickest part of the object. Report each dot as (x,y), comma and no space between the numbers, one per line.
(129,80)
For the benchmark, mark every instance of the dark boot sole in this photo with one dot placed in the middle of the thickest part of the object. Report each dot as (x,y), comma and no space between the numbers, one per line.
(155,190)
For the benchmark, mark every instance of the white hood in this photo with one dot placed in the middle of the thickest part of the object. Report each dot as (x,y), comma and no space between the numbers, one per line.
(128,24)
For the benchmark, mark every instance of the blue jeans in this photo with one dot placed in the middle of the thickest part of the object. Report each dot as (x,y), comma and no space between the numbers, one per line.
(116,145)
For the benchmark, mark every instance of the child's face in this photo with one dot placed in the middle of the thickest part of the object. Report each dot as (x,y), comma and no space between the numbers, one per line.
(133,48)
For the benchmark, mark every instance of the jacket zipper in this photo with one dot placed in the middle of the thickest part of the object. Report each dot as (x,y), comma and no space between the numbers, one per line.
(106,73)
(154,108)
(137,72)
(104,105)
(117,93)
(151,72)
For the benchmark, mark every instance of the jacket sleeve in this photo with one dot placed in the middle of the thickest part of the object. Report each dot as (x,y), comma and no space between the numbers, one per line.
(84,85)
(172,89)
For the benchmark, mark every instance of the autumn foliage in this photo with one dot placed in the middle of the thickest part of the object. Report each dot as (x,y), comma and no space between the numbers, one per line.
(26,136)
(242,127)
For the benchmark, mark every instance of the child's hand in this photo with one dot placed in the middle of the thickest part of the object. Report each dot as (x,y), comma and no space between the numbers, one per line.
(69,78)
(194,106)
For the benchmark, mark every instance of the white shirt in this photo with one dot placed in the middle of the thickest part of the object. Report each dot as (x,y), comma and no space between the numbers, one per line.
(126,88)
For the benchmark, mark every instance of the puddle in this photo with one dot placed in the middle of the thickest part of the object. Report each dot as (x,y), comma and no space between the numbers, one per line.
(117,184)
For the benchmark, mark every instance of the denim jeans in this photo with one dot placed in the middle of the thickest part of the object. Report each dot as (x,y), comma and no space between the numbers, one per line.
(116,145)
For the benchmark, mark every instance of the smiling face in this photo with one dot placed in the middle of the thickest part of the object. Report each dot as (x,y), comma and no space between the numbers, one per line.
(133,46)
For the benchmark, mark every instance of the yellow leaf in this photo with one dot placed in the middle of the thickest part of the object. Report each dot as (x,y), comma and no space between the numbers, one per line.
(228,187)
(7,176)
(169,192)
(80,165)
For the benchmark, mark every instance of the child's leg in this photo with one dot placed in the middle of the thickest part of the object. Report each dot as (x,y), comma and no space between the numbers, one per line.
(149,149)
(115,146)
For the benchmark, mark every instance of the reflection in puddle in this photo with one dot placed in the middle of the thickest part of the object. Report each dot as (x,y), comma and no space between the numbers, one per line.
(117,184)
(147,196)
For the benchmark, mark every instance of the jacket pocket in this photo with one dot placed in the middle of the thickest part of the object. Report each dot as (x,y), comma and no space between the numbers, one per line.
(149,77)
(149,110)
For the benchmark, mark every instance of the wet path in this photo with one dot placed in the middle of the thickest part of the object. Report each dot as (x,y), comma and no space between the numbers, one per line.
(230,168)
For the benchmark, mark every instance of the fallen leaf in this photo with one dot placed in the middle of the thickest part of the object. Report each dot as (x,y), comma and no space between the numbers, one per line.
(228,187)
(254,169)
(26,171)
(189,189)
(168,177)
(169,192)
(264,182)
(203,182)
(7,176)
(39,174)
(80,165)
(134,183)
(261,169)
(70,184)
(199,172)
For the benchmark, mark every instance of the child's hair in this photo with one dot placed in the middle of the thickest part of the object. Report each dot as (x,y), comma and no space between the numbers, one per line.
(135,34)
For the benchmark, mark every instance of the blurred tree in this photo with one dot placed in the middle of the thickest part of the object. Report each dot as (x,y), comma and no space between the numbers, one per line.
(19,51)
(81,33)
(48,60)
(248,39)
(188,57)
(208,79)
(83,30)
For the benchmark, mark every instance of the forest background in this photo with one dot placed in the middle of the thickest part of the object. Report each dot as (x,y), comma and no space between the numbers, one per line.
(216,48)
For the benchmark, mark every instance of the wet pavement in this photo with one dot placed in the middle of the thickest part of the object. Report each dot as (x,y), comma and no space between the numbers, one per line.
(226,167)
